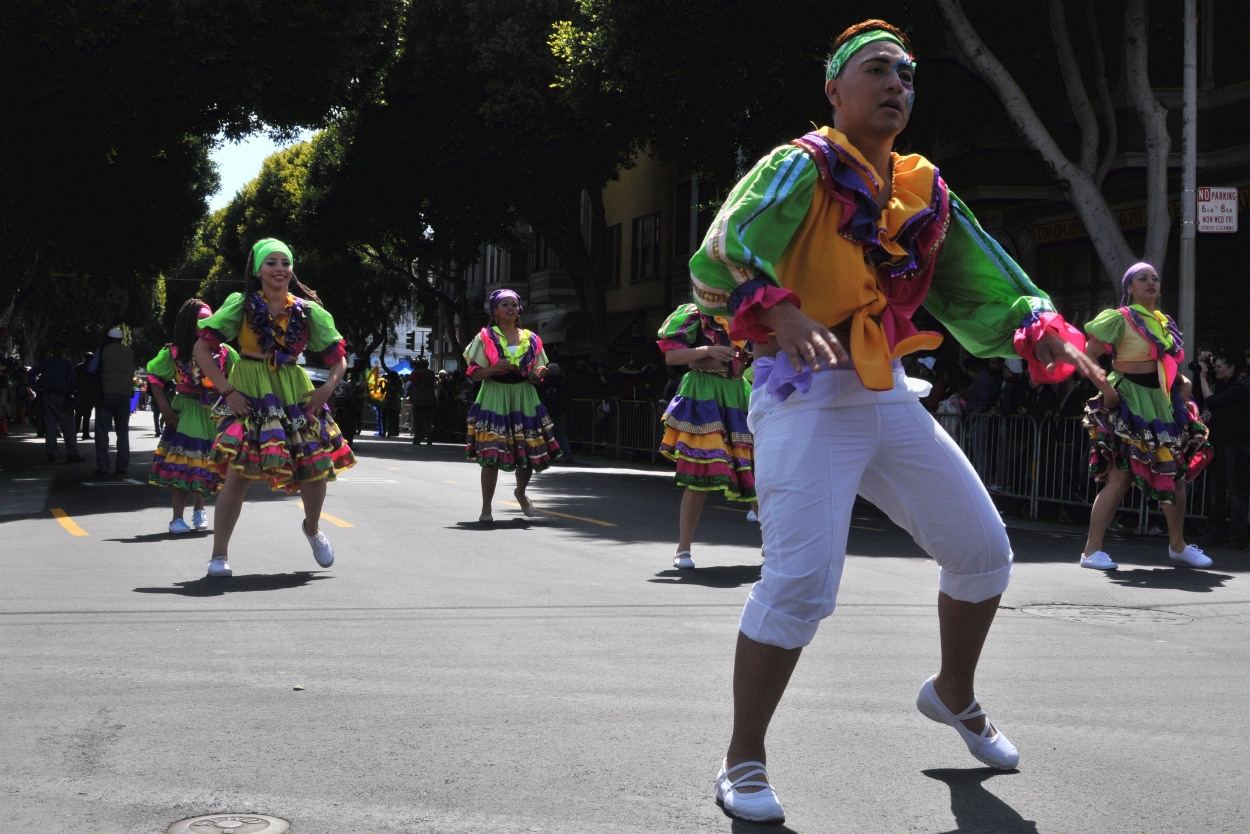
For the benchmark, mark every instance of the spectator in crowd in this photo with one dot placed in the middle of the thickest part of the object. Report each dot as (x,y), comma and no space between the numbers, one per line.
(447,413)
(1072,396)
(88,396)
(393,403)
(554,393)
(347,404)
(982,394)
(424,400)
(375,390)
(55,384)
(1226,402)
(1039,402)
(465,393)
(115,363)
(1015,389)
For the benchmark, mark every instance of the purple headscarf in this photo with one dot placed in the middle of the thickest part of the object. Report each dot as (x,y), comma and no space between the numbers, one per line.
(499,295)
(1128,278)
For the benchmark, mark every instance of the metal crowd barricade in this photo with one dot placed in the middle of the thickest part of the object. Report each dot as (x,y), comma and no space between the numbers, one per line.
(583,417)
(1048,462)
(637,426)
(1003,451)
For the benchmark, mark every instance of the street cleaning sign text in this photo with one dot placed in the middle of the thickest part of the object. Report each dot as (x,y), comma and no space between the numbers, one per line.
(1217,209)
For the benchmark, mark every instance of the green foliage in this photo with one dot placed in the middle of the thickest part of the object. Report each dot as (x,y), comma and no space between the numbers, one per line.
(367,298)
(705,80)
(110,106)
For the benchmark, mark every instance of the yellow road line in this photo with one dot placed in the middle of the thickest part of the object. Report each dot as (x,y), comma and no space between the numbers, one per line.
(392,469)
(566,515)
(449,482)
(68,523)
(337,522)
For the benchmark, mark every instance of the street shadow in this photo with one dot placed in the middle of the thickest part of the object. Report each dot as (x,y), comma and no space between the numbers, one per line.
(497,524)
(719,576)
(209,586)
(744,827)
(163,537)
(1172,579)
(977,810)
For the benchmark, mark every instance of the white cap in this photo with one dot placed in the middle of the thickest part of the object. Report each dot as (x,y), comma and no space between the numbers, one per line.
(115,333)
(927,361)
(1016,366)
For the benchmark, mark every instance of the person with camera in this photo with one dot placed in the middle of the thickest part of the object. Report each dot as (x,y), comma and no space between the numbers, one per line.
(1226,410)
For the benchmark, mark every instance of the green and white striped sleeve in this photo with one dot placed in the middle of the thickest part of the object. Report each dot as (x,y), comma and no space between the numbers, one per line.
(752,230)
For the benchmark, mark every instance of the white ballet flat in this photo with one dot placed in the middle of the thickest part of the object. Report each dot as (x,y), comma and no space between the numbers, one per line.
(995,751)
(760,806)
(682,560)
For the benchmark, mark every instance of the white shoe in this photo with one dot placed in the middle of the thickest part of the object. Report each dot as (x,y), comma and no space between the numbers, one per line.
(1191,556)
(322,552)
(219,567)
(760,806)
(1098,561)
(199,520)
(995,751)
(751,516)
(178,526)
(486,519)
(683,560)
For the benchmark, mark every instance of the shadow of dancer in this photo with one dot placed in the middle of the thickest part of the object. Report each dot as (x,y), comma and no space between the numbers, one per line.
(1174,579)
(975,808)
(210,586)
(744,827)
(719,576)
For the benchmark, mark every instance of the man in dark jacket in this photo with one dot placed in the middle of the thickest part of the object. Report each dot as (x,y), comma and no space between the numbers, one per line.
(1226,400)
(424,400)
(88,396)
(55,383)
(116,366)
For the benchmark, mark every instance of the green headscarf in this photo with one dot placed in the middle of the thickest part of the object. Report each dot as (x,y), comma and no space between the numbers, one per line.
(855,44)
(264,248)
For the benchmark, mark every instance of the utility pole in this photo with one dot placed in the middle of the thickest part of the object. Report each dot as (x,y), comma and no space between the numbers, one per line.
(1189,179)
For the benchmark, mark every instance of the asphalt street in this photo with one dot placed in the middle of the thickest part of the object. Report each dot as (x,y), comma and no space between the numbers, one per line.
(555,674)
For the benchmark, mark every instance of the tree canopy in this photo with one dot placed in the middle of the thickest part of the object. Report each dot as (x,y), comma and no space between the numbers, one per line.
(111,106)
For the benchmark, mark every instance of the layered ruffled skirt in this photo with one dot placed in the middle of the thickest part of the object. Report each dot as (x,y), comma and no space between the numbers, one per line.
(1156,437)
(705,432)
(280,440)
(182,455)
(508,427)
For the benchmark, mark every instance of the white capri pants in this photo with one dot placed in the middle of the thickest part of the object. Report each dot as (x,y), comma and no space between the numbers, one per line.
(813,452)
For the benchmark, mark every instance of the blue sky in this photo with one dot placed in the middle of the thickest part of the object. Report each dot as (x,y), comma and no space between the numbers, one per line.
(240,162)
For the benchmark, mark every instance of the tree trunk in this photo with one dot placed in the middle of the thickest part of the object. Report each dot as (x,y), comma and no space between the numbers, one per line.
(1154,122)
(1082,191)
(1105,104)
(561,227)
(1070,71)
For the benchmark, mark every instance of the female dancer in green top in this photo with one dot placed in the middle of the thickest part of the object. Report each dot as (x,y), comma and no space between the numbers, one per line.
(181,462)
(508,426)
(273,425)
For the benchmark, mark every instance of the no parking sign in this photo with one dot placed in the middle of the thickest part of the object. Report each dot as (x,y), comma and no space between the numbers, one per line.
(1217,209)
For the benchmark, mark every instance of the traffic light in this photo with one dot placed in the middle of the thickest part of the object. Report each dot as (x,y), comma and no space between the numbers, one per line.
(429,342)
(410,340)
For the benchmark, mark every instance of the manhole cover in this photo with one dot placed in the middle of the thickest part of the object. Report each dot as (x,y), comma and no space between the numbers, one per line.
(1106,614)
(230,824)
